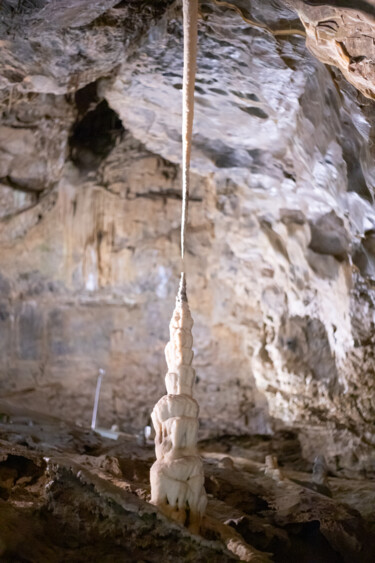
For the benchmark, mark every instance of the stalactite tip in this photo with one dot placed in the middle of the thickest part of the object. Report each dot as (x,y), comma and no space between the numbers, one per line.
(182,295)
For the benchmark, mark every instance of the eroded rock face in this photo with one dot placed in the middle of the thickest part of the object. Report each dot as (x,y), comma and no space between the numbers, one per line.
(280,249)
(342,34)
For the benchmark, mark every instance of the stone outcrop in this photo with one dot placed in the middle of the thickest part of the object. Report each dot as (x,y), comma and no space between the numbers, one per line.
(281,254)
(342,34)
(68,494)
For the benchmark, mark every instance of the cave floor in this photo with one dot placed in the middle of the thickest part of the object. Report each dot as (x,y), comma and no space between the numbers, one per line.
(68,494)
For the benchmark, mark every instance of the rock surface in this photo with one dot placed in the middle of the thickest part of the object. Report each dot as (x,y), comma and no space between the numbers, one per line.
(67,494)
(280,249)
(342,34)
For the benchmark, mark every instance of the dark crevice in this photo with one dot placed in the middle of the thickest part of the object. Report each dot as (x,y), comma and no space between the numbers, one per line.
(15,467)
(95,133)
(167,194)
(86,98)
(256,112)
(356,179)
(22,188)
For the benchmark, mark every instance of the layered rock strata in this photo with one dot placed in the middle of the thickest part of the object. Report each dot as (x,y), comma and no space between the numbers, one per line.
(177,475)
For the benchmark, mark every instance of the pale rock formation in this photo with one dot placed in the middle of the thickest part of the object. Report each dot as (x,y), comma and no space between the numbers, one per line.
(320,476)
(177,475)
(343,36)
(320,471)
(272,468)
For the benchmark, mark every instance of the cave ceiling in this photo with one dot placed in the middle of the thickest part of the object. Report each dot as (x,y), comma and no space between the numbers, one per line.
(59,48)
(38,43)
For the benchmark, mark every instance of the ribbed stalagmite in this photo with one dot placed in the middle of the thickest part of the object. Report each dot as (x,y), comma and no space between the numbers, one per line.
(177,475)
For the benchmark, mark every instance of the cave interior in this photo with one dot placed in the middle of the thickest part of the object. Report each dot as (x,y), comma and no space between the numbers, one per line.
(280,262)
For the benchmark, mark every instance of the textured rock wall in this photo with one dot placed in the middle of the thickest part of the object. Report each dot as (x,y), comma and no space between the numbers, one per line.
(342,34)
(280,250)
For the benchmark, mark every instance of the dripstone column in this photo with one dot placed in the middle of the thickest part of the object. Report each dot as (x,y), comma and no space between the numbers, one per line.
(177,477)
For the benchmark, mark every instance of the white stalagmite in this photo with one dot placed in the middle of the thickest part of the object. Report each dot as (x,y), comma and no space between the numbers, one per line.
(177,476)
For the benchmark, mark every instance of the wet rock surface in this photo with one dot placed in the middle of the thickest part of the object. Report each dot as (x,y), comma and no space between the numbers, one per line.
(67,493)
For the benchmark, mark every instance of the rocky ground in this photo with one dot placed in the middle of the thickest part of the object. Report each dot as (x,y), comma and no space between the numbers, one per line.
(281,254)
(281,262)
(67,494)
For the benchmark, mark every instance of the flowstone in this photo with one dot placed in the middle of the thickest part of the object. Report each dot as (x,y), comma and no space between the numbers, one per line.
(177,477)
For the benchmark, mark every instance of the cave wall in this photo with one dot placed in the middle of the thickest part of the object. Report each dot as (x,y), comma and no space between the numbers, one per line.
(280,248)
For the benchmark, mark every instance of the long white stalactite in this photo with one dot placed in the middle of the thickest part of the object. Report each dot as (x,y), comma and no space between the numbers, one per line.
(177,477)
(190,15)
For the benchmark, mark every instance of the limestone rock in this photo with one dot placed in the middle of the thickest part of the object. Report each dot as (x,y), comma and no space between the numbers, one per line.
(342,35)
(329,236)
(88,498)
(177,476)
(89,242)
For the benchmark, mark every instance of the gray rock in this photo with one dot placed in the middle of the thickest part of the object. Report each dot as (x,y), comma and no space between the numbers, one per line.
(329,236)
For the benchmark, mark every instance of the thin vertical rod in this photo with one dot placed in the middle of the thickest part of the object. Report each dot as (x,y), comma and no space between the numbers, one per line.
(96,401)
(190,15)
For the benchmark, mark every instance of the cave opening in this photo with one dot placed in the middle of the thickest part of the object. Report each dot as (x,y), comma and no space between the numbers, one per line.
(95,132)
